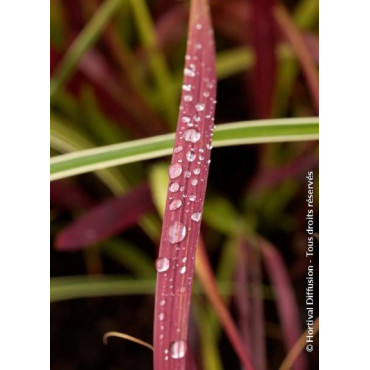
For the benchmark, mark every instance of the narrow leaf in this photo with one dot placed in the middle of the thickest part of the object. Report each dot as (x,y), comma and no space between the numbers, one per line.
(73,287)
(107,219)
(285,299)
(188,175)
(82,43)
(239,133)
(293,35)
(264,42)
(205,275)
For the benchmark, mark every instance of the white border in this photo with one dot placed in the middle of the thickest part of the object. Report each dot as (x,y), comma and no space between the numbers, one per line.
(24,152)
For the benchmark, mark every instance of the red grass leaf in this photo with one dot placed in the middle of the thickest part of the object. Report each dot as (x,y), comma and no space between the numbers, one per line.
(105,220)
(257,309)
(206,276)
(250,306)
(264,42)
(188,174)
(285,299)
(66,195)
(300,48)
(267,178)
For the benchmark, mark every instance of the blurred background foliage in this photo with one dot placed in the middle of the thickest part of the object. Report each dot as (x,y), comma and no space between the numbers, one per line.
(116,74)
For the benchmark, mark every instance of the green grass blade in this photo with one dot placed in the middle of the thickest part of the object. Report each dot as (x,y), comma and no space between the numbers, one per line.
(73,287)
(234,61)
(157,62)
(64,138)
(239,133)
(82,43)
(129,256)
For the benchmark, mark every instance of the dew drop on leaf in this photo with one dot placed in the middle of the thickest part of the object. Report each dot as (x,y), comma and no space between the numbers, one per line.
(178,349)
(182,269)
(199,107)
(176,232)
(192,197)
(190,156)
(177,149)
(175,170)
(174,187)
(162,264)
(175,204)
(189,73)
(161,316)
(188,98)
(192,135)
(186,87)
(196,216)
(194,182)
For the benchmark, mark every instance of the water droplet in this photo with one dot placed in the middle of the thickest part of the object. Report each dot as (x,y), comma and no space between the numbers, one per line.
(182,188)
(196,118)
(176,232)
(186,87)
(192,66)
(196,171)
(175,204)
(192,197)
(188,98)
(162,302)
(161,316)
(185,119)
(178,149)
(208,146)
(175,170)
(206,94)
(184,259)
(196,216)
(174,187)
(198,46)
(194,182)
(188,72)
(182,269)
(201,158)
(178,349)
(199,107)
(162,264)
(187,174)
(192,135)
(182,289)
(198,26)
(190,156)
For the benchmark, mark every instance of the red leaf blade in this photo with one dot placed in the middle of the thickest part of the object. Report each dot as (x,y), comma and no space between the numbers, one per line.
(107,219)
(188,178)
